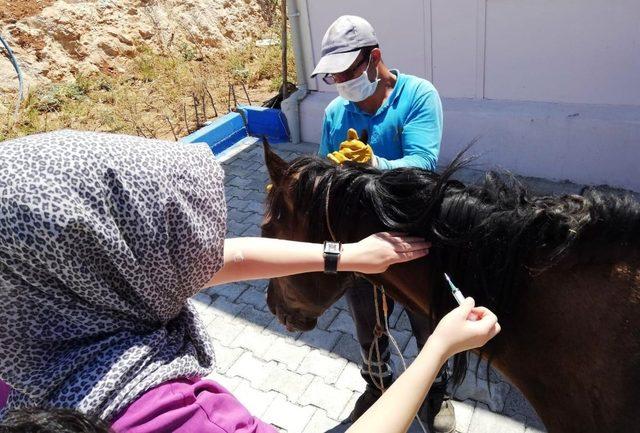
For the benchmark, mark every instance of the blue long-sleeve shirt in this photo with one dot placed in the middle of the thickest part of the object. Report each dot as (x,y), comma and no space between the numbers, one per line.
(404,132)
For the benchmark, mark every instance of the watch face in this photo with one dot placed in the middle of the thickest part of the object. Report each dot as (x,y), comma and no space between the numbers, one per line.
(332,248)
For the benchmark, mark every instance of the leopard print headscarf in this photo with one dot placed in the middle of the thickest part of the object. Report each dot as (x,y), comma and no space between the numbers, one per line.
(103,238)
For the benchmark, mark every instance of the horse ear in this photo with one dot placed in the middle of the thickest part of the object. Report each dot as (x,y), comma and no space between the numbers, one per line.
(276,166)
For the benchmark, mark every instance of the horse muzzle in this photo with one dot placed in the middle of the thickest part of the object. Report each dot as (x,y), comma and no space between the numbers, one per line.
(292,320)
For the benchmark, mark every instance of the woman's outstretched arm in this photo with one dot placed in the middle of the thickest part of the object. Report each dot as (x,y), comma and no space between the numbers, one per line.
(395,409)
(255,258)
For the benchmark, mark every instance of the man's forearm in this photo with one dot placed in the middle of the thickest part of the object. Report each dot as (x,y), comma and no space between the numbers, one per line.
(419,161)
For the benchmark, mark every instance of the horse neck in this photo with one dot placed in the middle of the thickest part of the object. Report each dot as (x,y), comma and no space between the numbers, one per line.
(573,331)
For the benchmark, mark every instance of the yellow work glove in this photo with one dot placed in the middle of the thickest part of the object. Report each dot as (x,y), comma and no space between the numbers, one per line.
(352,149)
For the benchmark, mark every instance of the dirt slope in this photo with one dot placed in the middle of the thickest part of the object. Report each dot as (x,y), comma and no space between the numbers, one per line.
(56,39)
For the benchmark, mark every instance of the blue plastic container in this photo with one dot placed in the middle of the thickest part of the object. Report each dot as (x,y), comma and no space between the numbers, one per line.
(239,128)
(221,133)
(266,122)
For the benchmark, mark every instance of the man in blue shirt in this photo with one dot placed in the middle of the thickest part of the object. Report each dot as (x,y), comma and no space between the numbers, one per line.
(402,117)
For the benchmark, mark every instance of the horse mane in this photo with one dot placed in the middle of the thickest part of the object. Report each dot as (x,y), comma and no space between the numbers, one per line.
(491,237)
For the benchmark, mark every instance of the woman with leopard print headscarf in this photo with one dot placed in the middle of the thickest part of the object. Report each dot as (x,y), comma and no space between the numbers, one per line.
(103,240)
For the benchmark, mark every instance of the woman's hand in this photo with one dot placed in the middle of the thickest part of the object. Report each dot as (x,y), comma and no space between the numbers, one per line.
(375,253)
(464,328)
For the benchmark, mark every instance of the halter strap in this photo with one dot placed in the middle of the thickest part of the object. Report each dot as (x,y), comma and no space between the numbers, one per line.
(326,212)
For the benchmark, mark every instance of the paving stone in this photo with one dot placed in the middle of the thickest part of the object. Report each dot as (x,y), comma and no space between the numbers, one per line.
(517,404)
(256,164)
(226,308)
(393,318)
(327,397)
(402,338)
(254,297)
(342,304)
(351,379)
(255,207)
(403,323)
(320,422)
(256,196)
(252,231)
(288,416)
(241,157)
(237,203)
(259,180)
(234,191)
(411,349)
(319,339)
(485,421)
(348,348)
(260,285)
(225,356)
(286,352)
(481,369)
(344,323)
(230,383)
(238,181)
(239,216)
(327,317)
(319,363)
(243,172)
(478,390)
(254,218)
(202,298)
(464,412)
(397,362)
(288,383)
(254,400)
(254,340)
(224,330)
(204,310)
(249,367)
(346,411)
(230,291)
(256,318)
(236,229)
(535,428)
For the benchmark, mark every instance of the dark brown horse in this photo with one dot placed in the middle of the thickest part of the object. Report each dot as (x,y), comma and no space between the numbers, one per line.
(561,273)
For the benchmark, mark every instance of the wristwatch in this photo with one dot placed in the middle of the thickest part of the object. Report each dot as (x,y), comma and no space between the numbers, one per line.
(331,254)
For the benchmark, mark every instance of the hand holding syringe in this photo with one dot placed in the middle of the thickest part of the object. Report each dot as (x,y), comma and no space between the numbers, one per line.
(457,294)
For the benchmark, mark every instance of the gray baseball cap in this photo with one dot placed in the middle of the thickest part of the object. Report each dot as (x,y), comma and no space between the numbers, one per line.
(342,43)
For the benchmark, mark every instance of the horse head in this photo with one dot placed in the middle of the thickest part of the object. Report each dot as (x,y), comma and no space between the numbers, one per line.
(297,301)
(313,200)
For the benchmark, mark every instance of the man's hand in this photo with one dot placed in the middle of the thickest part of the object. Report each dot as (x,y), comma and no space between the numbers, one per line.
(352,149)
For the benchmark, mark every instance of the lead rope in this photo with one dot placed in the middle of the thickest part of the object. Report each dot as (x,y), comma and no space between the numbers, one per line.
(378,332)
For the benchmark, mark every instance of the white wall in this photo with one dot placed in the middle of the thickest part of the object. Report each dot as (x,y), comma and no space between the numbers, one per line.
(552,86)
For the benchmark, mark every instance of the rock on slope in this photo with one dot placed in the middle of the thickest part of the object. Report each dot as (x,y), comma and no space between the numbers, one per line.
(55,39)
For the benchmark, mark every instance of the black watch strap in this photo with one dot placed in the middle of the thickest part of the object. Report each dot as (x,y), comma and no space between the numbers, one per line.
(331,254)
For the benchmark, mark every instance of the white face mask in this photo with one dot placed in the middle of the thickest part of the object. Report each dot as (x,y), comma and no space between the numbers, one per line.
(359,88)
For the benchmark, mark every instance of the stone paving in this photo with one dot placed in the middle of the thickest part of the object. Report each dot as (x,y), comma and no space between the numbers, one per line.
(309,382)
